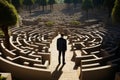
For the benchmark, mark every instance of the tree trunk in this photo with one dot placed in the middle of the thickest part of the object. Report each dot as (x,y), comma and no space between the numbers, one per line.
(5,31)
(87,13)
(30,9)
(51,7)
(43,8)
(109,12)
(39,7)
(75,5)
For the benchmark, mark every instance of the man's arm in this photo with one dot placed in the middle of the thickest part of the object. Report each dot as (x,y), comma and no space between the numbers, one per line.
(65,44)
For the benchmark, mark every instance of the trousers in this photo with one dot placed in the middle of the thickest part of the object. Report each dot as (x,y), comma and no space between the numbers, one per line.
(63,57)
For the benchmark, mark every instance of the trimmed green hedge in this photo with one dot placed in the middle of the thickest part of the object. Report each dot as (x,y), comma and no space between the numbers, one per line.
(75,23)
(49,23)
(2,78)
(116,12)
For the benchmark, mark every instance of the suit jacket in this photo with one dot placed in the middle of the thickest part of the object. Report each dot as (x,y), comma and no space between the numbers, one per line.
(61,44)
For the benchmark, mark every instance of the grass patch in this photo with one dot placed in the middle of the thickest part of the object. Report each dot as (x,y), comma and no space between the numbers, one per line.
(75,23)
(39,19)
(1,33)
(49,23)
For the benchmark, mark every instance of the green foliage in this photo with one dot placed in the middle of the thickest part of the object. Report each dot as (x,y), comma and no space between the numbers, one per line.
(9,1)
(29,2)
(17,3)
(72,1)
(79,1)
(87,4)
(8,14)
(49,23)
(44,2)
(2,78)
(8,17)
(75,1)
(75,23)
(51,2)
(109,4)
(38,2)
(116,12)
(68,1)
(98,3)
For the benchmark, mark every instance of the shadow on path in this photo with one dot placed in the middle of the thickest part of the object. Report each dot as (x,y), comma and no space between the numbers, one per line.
(57,72)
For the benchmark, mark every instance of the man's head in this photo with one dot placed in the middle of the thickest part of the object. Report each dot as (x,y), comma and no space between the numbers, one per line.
(62,34)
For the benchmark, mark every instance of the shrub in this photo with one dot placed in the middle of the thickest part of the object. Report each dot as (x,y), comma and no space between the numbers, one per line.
(49,23)
(116,12)
(1,33)
(39,19)
(2,78)
(75,23)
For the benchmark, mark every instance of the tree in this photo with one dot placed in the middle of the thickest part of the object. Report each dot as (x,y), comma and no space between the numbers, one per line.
(8,17)
(86,5)
(79,1)
(51,2)
(116,12)
(75,2)
(67,1)
(43,3)
(29,3)
(109,4)
(38,2)
(9,1)
(17,3)
(97,3)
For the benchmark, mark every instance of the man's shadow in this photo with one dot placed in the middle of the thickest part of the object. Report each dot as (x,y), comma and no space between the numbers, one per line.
(57,72)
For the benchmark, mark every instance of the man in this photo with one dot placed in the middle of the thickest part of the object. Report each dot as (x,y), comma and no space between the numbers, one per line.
(61,47)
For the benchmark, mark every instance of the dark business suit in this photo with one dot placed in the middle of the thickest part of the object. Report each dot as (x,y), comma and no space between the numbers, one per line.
(61,47)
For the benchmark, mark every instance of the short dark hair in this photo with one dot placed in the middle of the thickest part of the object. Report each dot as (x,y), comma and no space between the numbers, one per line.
(62,34)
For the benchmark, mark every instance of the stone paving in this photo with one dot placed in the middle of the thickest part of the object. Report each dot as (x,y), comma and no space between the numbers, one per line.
(62,72)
